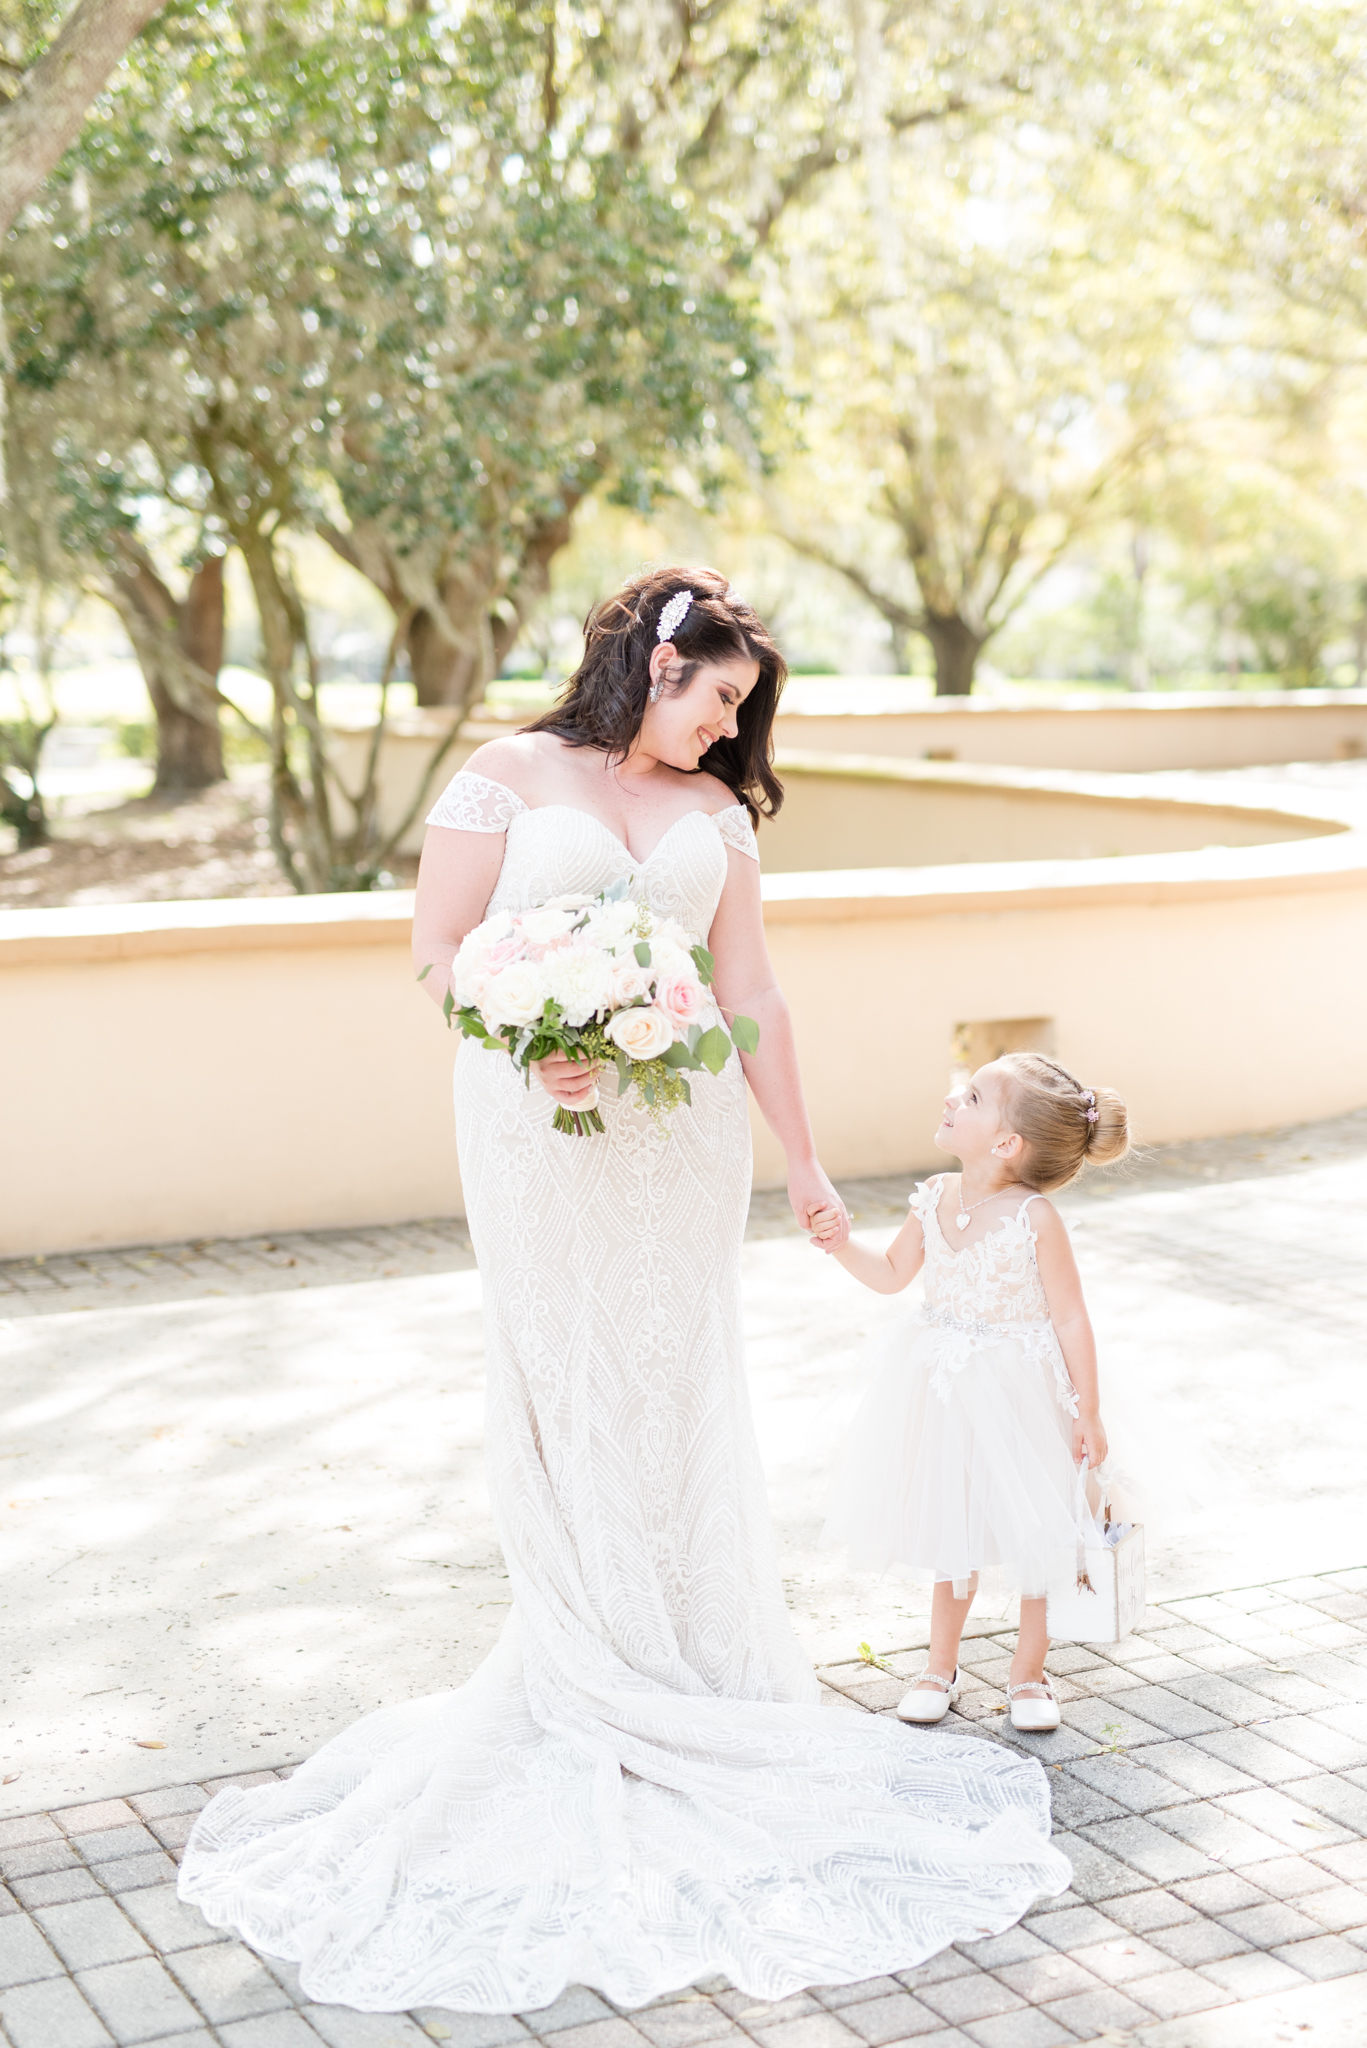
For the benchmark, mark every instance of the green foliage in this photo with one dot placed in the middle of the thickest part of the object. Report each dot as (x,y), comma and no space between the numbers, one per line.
(136,738)
(339,256)
(381,278)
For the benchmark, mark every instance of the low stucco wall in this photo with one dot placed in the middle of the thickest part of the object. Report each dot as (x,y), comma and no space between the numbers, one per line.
(175,1070)
(880,809)
(1129,735)
(860,811)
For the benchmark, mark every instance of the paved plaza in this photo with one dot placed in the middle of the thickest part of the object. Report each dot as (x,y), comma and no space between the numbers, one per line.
(243,1503)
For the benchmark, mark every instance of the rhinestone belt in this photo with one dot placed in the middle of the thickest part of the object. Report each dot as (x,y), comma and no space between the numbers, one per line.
(981,1329)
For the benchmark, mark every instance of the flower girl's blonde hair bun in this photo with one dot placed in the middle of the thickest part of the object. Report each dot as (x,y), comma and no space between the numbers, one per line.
(1064,1125)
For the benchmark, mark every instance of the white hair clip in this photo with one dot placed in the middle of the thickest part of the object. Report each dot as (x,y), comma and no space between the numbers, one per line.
(673,615)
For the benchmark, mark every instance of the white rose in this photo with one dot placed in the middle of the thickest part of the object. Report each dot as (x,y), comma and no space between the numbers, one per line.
(542,927)
(628,981)
(486,936)
(668,961)
(614,924)
(467,980)
(579,979)
(516,996)
(641,1034)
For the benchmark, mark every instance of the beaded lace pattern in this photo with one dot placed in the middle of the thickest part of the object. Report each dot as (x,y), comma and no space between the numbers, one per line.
(985,1293)
(639,1787)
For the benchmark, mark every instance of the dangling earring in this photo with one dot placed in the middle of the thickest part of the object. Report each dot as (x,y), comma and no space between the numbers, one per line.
(655,690)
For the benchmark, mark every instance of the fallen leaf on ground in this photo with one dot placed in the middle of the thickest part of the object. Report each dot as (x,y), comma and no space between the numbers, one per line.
(148,1745)
(10,1779)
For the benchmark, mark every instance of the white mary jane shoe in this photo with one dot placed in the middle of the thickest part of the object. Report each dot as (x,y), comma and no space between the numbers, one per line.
(1034,1710)
(925,1707)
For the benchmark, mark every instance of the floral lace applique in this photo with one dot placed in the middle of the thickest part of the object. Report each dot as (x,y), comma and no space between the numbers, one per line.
(473,803)
(734,825)
(987,1292)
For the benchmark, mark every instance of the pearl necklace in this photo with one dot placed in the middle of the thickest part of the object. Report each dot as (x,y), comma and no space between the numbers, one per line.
(964,1215)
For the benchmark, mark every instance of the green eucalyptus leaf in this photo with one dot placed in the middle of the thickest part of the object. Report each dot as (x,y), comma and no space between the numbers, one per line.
(745,1034)
(705,965)
(714,1049)
(642,952)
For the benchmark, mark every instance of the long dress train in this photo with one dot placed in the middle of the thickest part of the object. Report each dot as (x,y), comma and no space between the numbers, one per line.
(639,1787)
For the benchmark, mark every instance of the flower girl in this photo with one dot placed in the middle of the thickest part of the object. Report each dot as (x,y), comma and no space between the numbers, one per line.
(964,1455)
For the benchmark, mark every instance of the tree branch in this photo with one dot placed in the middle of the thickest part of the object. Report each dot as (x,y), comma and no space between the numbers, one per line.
(43,118)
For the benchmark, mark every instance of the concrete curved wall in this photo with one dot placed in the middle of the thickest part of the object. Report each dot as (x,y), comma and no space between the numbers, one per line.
(1131,734)
(860,811)
(879,807)
(229,1067)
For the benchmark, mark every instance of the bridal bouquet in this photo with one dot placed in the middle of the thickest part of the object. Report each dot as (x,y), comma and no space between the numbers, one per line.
(599,978)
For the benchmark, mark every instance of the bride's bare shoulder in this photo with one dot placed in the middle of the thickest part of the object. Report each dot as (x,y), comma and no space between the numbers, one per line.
(714,794)
(519,762)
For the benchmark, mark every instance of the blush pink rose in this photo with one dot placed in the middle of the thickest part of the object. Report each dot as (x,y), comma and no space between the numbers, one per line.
(681,998)
(500,955)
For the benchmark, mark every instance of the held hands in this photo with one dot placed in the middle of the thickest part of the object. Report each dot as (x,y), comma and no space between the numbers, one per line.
(1089,1441)
(812,1196)
(574,1083)
(829,1228)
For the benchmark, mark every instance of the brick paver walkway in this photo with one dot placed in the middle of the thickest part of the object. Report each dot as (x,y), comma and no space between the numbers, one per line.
(201,1267)
(1209,1781)
(1209,1785)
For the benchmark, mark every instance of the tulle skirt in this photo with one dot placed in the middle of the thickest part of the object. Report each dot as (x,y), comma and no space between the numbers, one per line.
(960,1460)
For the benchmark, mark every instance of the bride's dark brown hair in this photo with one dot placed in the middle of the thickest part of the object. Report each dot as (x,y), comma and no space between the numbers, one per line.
(604,701)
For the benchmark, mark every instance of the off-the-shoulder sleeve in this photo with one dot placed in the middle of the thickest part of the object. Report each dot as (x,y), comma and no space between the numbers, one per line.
(734,825)
(472,803)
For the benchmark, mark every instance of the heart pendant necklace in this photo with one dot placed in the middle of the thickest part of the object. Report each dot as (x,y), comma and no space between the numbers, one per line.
(965,1215)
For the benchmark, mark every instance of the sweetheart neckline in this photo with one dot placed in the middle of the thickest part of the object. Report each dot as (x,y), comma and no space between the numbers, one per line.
(639,860)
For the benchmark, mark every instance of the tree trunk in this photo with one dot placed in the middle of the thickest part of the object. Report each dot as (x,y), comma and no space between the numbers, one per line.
(179,646)
(956,648)
(456,646)
(189,752)
(300,820)
(445,672)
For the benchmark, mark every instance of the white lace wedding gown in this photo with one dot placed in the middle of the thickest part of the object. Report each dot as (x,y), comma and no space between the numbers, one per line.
(639,1787)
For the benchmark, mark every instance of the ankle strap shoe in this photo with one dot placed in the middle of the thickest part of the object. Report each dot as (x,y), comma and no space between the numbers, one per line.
(924,1707)
(1034,1710)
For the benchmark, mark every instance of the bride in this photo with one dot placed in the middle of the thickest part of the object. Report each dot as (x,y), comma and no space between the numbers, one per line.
(639,1787)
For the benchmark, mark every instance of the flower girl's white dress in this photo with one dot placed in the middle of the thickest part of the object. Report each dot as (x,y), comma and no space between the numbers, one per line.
(640,1786)
(960,1458)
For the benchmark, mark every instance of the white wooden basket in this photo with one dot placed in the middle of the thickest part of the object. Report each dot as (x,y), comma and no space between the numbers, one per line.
(1106,1601)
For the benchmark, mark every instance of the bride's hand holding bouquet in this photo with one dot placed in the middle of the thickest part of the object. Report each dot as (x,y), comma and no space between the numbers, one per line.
(585,982)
